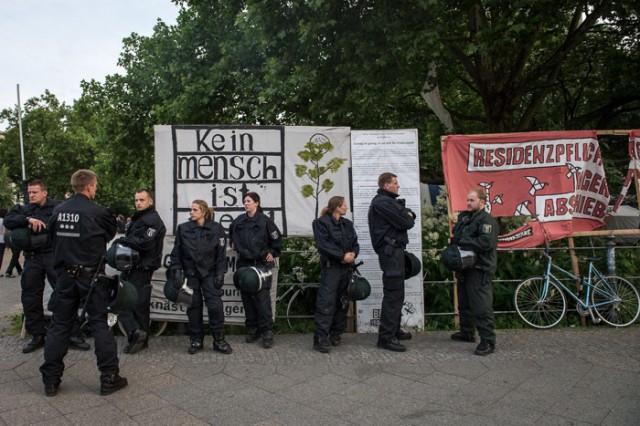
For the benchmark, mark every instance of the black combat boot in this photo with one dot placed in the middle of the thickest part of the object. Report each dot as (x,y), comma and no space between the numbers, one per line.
(403,335)
(252,336)
(195,346)
(111,382)
(221,345)
(136,342)
(335,337)
(322,344)
(267,339)
(36,342)
(51,387)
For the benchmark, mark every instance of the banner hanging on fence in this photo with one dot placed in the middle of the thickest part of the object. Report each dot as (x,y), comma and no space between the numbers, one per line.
(375,152)
(295,170)
(556,177)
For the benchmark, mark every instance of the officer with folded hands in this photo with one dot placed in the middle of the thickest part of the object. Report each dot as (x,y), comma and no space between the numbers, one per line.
(199,254)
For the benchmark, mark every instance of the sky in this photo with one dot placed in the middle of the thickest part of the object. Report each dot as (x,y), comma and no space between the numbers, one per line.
(55,44)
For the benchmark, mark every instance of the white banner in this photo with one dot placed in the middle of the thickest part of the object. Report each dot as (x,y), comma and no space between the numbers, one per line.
(220,164)
(374,152)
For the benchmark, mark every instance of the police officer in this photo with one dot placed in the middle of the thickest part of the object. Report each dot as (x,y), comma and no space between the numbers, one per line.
(80,231)
(476,230)
(200,254)
(145,234)
(389,220)
(338,246)
(38,264)
(257,240)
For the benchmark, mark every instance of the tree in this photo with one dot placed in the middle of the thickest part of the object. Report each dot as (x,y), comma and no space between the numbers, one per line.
(53,149)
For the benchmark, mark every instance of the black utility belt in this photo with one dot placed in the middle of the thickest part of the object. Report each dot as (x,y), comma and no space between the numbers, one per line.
(80,271)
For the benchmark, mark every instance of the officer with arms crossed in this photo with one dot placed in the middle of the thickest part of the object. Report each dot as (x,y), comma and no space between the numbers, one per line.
(145,234)
(80,231)
(38,264)
(338,246)
(389,221)
(477,231)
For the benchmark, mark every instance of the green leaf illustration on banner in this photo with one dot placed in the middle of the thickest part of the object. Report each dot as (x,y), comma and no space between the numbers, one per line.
(315,150)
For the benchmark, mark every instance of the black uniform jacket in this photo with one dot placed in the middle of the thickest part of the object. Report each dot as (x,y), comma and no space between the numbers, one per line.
(334,238)
(80,230)
(201,249)
(145,234)
(389,221)
(19,217)
(254,237)
(478,231)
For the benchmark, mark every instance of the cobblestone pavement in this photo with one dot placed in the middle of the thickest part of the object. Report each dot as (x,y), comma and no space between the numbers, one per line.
(577,376)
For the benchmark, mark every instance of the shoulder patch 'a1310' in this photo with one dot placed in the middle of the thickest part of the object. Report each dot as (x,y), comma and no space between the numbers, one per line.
(487,228)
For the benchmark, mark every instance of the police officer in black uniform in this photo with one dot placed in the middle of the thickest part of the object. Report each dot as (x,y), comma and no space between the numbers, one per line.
(145,234)
(38,264)
(80,231)
(338,246)
(257,240)
(389,220)
(477,231)
(200,254)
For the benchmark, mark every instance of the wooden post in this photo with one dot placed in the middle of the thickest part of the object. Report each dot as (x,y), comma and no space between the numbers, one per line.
(576,270)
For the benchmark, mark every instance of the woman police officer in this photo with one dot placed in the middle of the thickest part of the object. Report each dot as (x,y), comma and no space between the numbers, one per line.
(338,246)
(199,253)
(257,240)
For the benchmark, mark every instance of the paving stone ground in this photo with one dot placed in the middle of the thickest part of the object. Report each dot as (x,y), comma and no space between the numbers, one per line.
(572,376)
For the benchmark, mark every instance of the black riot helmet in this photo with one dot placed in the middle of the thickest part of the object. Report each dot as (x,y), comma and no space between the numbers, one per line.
(122,294)
(121,257)
(250,278)
(358,287)
(412,265)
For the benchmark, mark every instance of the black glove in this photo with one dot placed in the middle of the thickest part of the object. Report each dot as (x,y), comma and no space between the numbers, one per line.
(178,276)
(219,282)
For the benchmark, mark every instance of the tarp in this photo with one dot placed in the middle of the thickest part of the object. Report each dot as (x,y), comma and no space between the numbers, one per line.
(557,178)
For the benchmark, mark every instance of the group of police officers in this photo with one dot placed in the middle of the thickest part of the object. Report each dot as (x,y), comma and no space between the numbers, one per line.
(68,243)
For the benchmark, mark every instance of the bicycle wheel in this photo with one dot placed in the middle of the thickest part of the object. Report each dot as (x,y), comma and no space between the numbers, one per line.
(616,301)
(536,311)
(302,307)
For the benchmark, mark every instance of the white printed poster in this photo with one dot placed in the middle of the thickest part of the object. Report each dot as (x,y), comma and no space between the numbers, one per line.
(374,152)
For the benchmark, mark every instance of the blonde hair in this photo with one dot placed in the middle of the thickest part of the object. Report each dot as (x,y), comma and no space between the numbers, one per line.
(208,211)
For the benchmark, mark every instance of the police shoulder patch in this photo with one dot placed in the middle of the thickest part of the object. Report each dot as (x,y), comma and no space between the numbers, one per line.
(487,228)
(275,235)
(151,232)
(222,241)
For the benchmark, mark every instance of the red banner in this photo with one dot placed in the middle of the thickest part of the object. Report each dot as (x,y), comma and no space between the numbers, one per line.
(556,177)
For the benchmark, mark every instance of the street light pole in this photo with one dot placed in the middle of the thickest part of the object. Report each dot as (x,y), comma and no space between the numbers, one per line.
(24,171)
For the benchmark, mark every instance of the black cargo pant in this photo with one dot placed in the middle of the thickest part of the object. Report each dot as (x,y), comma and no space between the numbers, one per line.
(331,316)
(475,304)
(38,267)
(69,292)
(204,287)
(258,315)
(139,316)
(391,261)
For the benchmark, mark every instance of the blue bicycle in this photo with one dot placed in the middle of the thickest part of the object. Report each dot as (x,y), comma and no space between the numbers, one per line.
(541,301)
